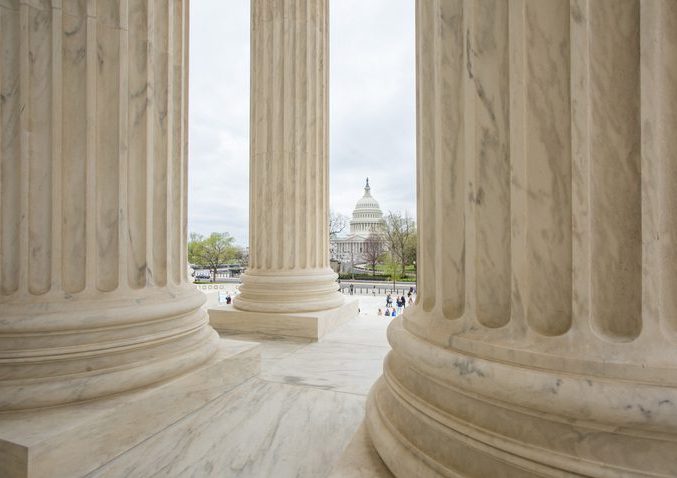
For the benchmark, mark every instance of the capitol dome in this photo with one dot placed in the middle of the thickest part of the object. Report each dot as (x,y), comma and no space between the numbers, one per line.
(367,216)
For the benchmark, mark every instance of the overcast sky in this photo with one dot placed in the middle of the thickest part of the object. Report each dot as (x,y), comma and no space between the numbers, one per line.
(372,109)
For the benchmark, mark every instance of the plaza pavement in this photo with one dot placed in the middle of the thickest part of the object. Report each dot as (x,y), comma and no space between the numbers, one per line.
(294,419)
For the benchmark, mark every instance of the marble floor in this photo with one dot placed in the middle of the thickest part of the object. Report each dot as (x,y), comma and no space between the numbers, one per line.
(294,419)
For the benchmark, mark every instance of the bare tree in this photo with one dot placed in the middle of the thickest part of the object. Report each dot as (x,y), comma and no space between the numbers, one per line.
(337,223)
(243,257)
(400,238)
(373,249)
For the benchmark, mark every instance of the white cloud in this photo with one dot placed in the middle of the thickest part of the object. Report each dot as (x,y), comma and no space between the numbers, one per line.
(372,109)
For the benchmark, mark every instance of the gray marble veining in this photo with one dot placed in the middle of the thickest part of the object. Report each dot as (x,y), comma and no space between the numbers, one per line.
(261,429)
(341,367)
(293,420)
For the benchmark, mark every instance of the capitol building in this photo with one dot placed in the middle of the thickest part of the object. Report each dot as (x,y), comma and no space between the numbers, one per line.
(367,219)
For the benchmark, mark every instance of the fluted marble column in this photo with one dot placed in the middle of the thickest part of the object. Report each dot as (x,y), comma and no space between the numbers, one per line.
(543,339)
(93,292)
(289,239)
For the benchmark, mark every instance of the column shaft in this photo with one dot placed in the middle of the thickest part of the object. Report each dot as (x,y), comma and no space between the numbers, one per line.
(543,340)
(289,238)
(93,294)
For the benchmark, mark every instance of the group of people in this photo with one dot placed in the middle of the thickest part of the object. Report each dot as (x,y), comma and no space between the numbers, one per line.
(400,304)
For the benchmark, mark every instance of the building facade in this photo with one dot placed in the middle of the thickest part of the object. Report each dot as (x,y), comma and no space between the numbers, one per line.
(366,221)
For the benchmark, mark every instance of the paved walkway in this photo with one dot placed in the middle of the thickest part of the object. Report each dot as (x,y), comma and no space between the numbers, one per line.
(294,419)
(307,402)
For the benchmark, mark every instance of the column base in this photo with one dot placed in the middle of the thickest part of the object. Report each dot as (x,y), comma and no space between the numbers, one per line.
(360,459)
(55,351)
(289,292)
(308,325)
(440,412)
(76,439)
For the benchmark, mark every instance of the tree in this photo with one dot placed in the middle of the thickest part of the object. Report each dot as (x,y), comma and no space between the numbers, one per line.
(243,258)
(337,223)
(400,238)
(373,249)
(410,249)
(392,268)
(213,251)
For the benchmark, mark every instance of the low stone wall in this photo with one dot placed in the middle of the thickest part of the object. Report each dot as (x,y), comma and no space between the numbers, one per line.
(214,287)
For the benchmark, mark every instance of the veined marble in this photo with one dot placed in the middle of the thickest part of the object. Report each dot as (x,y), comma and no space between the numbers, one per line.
(260,429)
(342,367)
(72,440)
(94,301)
(93,292)
(265,427)
(289,165)
(365,329)
(304,325)
(542,341)
(271,347)
(360,459)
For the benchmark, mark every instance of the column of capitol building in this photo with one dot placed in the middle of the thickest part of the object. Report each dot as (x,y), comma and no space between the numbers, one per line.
(543,339)
(94,298)
(289,246)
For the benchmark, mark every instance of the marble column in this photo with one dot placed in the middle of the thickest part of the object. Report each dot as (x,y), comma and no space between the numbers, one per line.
(289,239)
(94,298)
(543,339)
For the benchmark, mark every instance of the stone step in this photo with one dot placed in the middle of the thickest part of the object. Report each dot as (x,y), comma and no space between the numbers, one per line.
(76,439)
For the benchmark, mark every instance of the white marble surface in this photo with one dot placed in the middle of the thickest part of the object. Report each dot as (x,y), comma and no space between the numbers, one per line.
(293,420)
(272,347)
(345,360)
(72,440)
(289,161)
(306,325)
(330,365)
(543,342)
(360,459)
(261,429)
(93,296)
(367,329)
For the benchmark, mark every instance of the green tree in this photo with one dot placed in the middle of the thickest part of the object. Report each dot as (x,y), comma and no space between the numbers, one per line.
(213,251)
(400,237)
(410,249)
(392,268)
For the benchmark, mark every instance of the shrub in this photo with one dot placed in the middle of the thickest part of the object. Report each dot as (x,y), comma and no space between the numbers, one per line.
(377,277)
